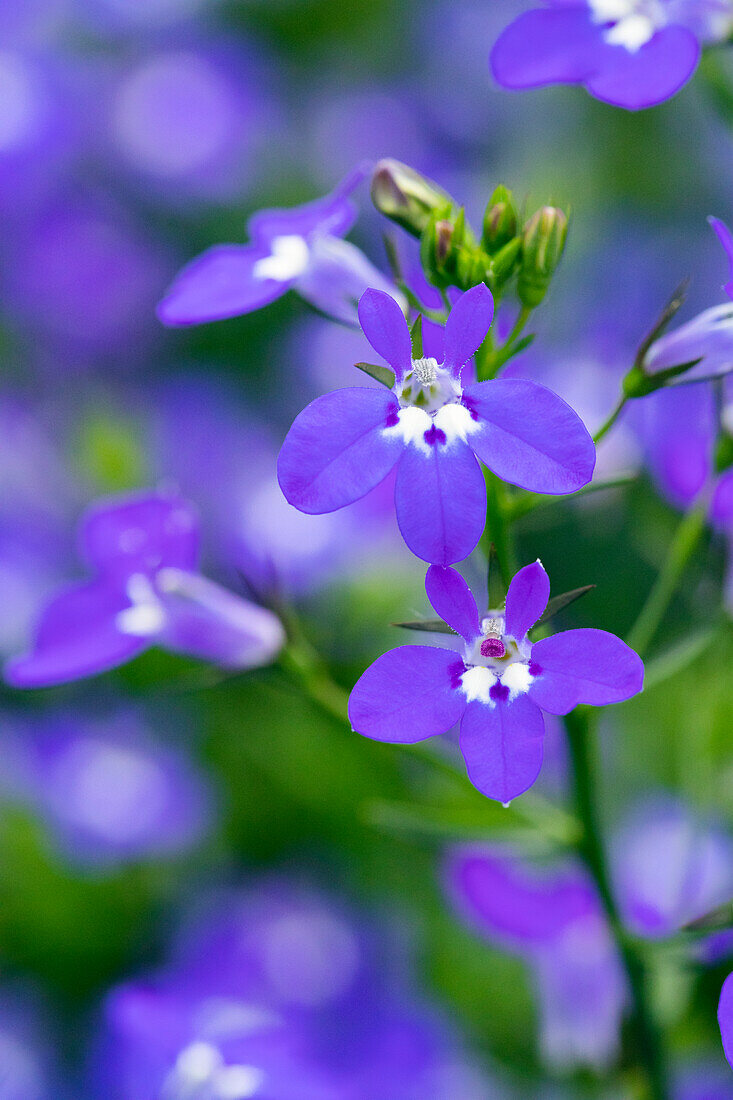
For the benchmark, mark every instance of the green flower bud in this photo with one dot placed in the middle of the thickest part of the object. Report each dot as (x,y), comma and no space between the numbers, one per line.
(443,243)
(500,221)
(543,245)
(411,200)
(505,261)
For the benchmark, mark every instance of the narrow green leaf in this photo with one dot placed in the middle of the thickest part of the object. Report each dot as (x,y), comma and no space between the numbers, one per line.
(379,374)
(717,920)
(416,337)
(393,258)
(678,657)
(557,603)
(432,626)
(668,313)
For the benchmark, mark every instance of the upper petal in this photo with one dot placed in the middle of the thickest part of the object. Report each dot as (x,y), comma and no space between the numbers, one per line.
(140,533)
(529,436)
(336,278)
(645,77)
(725,236)
(467,325)
(547,47)
(386,329)
(408,694)
(583,666)
(440,498)
(207,621)
(526,599)
(453,600)
(77,636)
(220,283)
(334,213)
(337,449)
(502,746)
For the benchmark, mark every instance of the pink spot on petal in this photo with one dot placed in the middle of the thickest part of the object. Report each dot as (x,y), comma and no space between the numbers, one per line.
(492,647)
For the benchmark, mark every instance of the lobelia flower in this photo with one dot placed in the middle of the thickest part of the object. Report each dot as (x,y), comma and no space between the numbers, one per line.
(668,867)
(297,249)
(432,429)
(500,685)
(725,1017)
(630,53)
(145,590)
(706,340)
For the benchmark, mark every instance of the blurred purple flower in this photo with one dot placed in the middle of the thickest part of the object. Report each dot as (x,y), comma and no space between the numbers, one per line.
(500,686)
(143,551)
(703,1081)
(27,1066)
(725,1017)
(295,249)
(432,429)
(630,53)
(726,239)
(106,791)
(278,991)
(669,866)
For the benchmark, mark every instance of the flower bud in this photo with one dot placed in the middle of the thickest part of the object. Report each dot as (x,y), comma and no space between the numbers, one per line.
(402,194)
(543,245)
(443,242)
(505,261)
(500,221)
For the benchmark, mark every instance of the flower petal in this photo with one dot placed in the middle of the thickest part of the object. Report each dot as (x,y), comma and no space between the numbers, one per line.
(337,277)
(337,449)
(440,498)
(529,436)
(140,533)
(502,746)
(725,237)
(507,898)
(645,77)
(77,636)
(205,620)
(526,599)
(334,213)
(408,694)
(452,599)
(468,322)
(547,47)
(583,666)
(220,283)
(725,1017)
(386,329)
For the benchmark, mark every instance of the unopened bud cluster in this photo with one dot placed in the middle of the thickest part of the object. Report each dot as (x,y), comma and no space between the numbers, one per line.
(453,255)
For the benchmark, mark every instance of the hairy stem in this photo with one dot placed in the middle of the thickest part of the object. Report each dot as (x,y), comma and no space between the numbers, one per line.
(580,728)
(498,528)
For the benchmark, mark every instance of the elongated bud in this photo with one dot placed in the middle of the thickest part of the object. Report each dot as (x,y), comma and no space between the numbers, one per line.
(543,245)
(500,221)
(503,264)
(411,200)
(443,242)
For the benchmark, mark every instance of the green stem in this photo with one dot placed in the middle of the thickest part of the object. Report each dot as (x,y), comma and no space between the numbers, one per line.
(579,724)
(606,427)
(498,529)
(685,540)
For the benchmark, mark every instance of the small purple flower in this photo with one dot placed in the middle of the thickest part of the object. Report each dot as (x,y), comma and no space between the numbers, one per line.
(145,590)
(630,53)
(433,429)
(498,688)
(725,236)
(297,249)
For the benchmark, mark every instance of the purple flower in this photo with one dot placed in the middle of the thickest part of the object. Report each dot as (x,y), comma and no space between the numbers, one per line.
(433,429)
(498,688)
(725,1017)
(630,53)
(298,249)
(108,793)
(553,918)
(726,239)
(145,590)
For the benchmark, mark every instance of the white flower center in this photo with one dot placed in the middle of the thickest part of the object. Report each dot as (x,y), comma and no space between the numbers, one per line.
(200,1074)
(431,412)
(147,615)
(635,22)
(496,658)
(289,258)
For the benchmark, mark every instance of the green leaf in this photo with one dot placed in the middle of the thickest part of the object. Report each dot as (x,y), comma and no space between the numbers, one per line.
(672,307)
(717,920)
(416,337)
(557,603)
(678,656)
(432,626)
(379,374)
(393,258)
